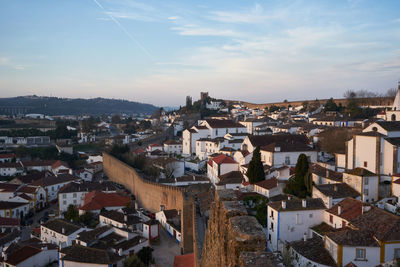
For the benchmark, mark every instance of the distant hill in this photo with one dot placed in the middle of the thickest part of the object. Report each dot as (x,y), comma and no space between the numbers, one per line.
(71,106)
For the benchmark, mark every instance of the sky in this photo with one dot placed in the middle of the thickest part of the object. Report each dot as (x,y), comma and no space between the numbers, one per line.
(160,51)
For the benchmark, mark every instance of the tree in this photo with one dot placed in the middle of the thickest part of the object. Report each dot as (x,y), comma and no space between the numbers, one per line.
(297,183)
(331,105)
(145,255)
(115,119)
(273,108)
(391,92)
(21,152)
(134,261)
(255,172)
(72,213)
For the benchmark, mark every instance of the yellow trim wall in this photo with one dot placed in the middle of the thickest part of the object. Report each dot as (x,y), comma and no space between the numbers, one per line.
(339,255)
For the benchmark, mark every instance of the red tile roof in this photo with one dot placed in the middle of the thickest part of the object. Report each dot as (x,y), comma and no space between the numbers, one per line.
(9,222)
(350,208)
(186,260)
(96,200)
(6,156)
(152,145)
(139,151)
(22,254)
(59,163)
(268,184)
(223,159)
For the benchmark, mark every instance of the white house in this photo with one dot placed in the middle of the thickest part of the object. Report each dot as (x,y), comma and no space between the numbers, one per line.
(279,153)
(173,147)
(331,194)
(11,169)
(94,158)
(88,257)
(74,193)
(376,149)
(364,182)
(220,165)
(289,220)
(16,210)
(252,141)
(52,184)
(59,232)
(171,221)
(27,256)
(212,128)
(269,188)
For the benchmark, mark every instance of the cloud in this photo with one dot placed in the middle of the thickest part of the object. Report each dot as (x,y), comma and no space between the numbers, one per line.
(194,30)
(6,62)
(254,15)
(173,18)
(131,16)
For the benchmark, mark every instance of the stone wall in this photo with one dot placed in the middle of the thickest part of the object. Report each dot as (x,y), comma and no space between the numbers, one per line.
(233,238)
(151,196)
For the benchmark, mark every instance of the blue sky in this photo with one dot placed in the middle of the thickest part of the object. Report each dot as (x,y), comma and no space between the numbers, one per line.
(160,51)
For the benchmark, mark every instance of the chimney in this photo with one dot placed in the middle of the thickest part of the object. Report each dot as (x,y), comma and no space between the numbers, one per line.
(339,210)
(283,204)
(365,209)
(4,255)
(335,187)
(120,252)
(125,218)
(289,197)
(304,203)
(305,237)
(327,173)
(63,230)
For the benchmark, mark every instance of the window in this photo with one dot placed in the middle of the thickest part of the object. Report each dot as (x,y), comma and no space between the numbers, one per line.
(366,192)
(331,218)
(272,214)
(298,219)
(75,201)
(64,202)
(269,237)
(365,164)
(74,195)
(365,180)
(64,195)
(310,215)
(272,226)
(287,160)
(360,253)
(397,253)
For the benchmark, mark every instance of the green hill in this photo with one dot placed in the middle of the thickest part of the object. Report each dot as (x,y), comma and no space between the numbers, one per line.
(71,106)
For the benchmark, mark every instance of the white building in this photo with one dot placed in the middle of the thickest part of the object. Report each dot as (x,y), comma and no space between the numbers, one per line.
(364,182)
(376,149)
(173,147)
(286,153)
(11,169)
(52,184)
(212,128)
(59,232)
(220,165)
(74,193)
(289,220)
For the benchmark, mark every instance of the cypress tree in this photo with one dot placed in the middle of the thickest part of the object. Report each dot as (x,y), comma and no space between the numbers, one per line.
(301,183)
(255,172)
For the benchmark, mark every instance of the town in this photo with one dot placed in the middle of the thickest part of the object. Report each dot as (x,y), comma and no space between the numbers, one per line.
(213,183)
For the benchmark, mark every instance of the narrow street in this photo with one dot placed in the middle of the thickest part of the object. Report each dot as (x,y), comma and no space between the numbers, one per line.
(165,252)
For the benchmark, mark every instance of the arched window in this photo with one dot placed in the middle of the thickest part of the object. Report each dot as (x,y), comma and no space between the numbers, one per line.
(393,117)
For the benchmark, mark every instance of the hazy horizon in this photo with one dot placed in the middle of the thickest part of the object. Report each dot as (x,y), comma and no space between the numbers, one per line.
(159,52)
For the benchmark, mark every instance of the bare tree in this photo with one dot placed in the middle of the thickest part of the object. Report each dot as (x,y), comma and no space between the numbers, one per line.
(391,92)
